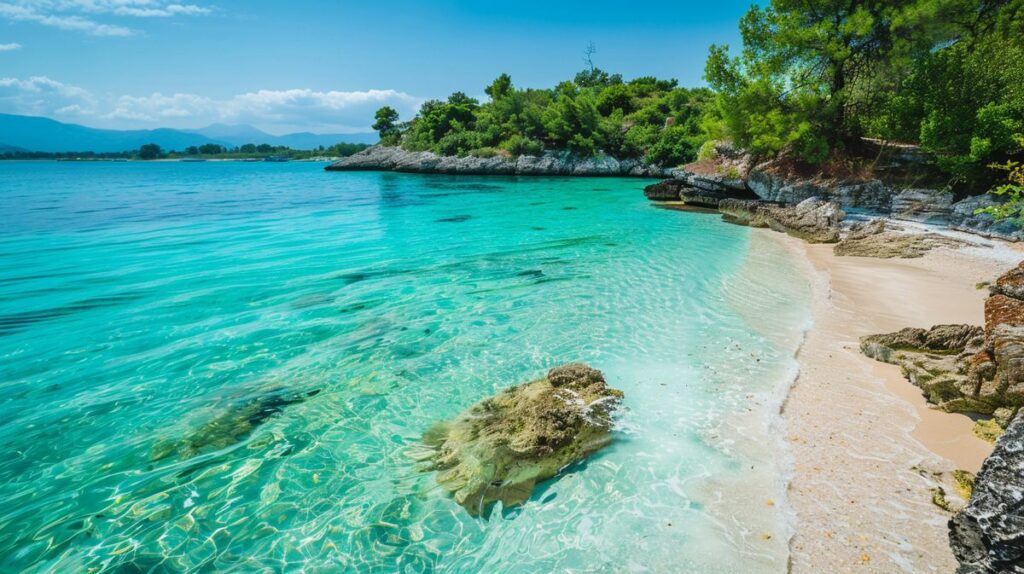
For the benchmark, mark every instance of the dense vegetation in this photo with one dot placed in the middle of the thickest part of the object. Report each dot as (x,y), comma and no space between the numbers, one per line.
(812,80)
(644,117)
(816,77)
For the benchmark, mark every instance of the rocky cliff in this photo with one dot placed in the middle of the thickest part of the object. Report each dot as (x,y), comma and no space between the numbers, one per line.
(730,174)
(385,158)
(987,537)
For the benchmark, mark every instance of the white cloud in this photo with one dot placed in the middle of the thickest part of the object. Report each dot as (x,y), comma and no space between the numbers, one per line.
(79,15)
(276,111)
(10,47)
(40,95)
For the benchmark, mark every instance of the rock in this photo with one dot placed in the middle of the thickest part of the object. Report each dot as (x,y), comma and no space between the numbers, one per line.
(683,189)
(1011,283)
(813,220)
(392,158)
(667,190)
(887,244)
(965,368)
(938,361)
(988,535)
(963,218)
(922,205)
(872,195)
(232,425)
(502,446)
(764,184)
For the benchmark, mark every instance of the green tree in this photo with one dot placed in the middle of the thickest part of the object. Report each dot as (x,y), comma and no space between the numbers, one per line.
(810,72)
(149,151)
(386,120)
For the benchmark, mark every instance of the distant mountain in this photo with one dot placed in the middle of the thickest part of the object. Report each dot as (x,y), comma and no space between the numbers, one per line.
(46,135)
(241,134)
(43,134)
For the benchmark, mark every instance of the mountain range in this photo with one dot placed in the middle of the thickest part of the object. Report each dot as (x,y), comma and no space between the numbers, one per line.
(30,133)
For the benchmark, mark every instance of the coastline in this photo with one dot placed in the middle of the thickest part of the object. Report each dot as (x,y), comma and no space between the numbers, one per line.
(864,447)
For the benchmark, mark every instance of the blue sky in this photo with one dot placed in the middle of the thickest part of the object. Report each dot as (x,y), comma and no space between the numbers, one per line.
(323,66)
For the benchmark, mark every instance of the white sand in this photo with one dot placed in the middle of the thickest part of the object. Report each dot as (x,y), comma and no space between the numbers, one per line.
(864,443)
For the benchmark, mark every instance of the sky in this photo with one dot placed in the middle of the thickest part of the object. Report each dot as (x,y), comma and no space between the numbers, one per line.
(324,66)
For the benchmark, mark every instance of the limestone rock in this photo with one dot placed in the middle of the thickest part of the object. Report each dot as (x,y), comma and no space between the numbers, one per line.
(923,205)
(393,158)
(962,367)
(988,535)
(814,220)
(696,190)
(502,446)
(878,243)
(963,218)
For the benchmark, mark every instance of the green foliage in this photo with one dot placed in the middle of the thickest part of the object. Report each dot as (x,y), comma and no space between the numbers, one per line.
(1012,190)
(596,112)
(386,124)
(816,76)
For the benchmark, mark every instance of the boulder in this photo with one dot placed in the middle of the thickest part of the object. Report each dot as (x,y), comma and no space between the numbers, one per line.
(962,217)
(666,190)
(814,220)
(988,535)
(875,239)
(965,368)
(922,205)
(502,446)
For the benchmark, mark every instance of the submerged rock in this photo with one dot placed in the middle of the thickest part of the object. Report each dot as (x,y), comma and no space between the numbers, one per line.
(232,425)
(502,446)
(988,535)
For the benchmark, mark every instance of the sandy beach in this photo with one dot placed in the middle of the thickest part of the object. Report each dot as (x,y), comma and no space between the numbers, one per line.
(866,449)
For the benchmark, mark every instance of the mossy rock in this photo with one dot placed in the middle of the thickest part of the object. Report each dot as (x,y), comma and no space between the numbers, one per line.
(501,447)
(988,430)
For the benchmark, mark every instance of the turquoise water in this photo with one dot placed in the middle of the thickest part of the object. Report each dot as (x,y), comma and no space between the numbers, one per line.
(139,302)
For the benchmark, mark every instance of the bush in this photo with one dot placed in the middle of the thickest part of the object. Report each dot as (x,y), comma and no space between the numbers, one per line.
(518,145)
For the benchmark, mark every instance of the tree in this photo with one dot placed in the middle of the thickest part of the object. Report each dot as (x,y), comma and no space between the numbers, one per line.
(499,88)
(149,151)
(247,148)
(385,124)
(810,72)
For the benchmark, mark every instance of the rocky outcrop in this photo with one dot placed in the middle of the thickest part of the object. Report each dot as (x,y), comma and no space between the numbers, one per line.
(388,158)
(987,536)
(700,191)
(870,195)
(966,368)
(814,220)
(502,446)
(876,239)
(962,217)
(922,205)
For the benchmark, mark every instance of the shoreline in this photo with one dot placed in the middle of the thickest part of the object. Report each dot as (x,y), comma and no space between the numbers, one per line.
(864,448)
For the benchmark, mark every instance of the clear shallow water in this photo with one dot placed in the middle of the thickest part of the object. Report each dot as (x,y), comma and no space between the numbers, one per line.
(139,302)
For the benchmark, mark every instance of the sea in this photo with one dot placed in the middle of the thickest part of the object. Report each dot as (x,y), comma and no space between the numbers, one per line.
(227,367)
